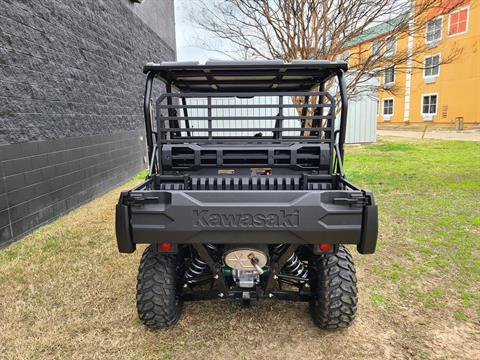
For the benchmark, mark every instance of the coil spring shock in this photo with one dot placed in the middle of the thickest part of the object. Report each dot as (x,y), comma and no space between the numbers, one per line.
(197,266)
(293,266)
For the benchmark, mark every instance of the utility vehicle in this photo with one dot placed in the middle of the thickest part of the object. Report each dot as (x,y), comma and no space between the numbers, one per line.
(246,196)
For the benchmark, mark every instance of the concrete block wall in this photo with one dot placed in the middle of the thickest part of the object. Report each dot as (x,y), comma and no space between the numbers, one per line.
(71,89)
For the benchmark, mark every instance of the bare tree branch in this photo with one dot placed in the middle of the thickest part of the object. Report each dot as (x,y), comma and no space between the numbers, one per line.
(321,29)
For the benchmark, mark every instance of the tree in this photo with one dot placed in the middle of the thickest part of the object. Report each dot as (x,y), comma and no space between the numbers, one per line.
(322,29)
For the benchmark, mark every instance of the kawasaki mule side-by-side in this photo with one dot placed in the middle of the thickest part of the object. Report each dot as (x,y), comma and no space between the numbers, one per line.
(246,196)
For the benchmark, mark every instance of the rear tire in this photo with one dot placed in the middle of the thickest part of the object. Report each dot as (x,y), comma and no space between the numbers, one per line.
(157,301)
(334,290)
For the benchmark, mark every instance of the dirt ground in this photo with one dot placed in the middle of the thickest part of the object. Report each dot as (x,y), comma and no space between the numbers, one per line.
(464,135)
(66,292)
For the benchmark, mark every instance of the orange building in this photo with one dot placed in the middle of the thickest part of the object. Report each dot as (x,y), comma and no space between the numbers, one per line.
(440,81)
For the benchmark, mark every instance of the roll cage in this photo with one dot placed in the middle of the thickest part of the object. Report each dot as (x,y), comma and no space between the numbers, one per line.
(191,87)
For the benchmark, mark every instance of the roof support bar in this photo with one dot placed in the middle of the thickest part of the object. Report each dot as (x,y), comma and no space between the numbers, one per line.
(343,113)
(147,112)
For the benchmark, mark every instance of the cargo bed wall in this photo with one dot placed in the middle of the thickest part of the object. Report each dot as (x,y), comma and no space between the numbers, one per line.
(244,181)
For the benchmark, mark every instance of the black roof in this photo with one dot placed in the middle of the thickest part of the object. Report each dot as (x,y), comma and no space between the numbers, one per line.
(240,76)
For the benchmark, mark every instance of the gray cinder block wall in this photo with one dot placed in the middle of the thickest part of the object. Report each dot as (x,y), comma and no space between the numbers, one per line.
(71,87)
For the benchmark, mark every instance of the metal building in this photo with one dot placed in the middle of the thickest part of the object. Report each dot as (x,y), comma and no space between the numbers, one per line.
(361,124)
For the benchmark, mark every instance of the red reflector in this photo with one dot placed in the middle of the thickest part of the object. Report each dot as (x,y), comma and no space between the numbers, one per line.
(165,246)
(325,247)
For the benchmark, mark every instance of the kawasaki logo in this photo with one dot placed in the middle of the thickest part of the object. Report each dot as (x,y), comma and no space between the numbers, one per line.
(280,219)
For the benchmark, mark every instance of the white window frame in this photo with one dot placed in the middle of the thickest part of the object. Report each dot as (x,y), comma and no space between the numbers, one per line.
(378,53)
(441,31)
(425,76)
(428,116)
(387,117)
(394,48)
(468,20)
(384,76)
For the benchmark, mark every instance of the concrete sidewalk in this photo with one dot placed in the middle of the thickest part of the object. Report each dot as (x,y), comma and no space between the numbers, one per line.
(465,135)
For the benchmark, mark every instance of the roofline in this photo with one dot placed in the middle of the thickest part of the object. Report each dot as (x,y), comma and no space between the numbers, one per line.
(237,76)
(374,36)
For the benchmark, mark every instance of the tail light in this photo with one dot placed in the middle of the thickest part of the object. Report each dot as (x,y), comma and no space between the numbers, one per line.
(165,246)
(325,247)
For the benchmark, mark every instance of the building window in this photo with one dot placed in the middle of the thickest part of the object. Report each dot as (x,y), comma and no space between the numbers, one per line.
(390,46)
(434,30)
(389,75)
(376,49)
(429,104)
(346,56)
(387,108)
(432,65)
(458,22)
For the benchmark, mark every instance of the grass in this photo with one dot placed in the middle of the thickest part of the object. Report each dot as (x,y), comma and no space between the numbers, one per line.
(65,291)
(141,175)
(428,193)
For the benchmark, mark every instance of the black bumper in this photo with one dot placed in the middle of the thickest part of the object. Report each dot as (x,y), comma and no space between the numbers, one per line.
(268,217)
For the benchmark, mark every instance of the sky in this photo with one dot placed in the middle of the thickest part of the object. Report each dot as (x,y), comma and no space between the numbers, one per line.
(188,37)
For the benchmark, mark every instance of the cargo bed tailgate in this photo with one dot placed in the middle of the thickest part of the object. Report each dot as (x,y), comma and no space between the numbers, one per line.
(310,217)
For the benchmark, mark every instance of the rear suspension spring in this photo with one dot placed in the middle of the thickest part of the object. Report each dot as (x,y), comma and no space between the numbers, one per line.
(197,266)
(293,266)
